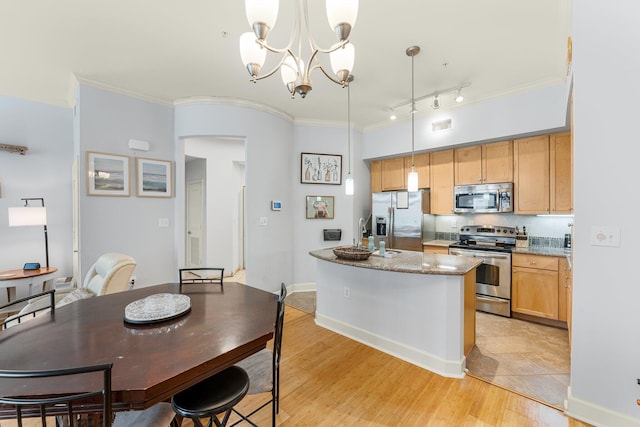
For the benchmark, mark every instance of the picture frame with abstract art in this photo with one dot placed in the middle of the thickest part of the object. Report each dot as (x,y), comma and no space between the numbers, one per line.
(318,168)
(320,207)
(108,174)
(154,178)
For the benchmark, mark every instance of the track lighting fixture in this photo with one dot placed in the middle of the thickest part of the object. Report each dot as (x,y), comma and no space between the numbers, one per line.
(459,97)
(436,102)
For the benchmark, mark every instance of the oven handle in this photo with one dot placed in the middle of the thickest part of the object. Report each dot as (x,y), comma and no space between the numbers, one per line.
(478,254)
(491,299)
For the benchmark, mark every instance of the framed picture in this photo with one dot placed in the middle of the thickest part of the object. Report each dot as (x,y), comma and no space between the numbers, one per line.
(107,174)
(154,178)
(320,207)
(320,168)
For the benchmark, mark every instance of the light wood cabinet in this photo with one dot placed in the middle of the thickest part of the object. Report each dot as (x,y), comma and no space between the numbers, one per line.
(534,285)
(435,249)
(376,176)
(442,181)
(561,173)
(421,163)
(483,164)
(531,175)
(543,177)
(393,174)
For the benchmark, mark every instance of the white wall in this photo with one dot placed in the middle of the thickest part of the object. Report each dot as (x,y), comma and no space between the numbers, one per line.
(269,176)
(45,171)
(309,232)
(223,185)
(536,111)
(605,359)
(106,122)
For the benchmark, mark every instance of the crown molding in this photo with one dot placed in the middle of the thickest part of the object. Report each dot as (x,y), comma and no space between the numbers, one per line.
(120,91)
(230,101)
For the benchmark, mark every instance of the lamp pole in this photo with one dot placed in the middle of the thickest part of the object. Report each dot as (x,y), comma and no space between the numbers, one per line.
(46,235)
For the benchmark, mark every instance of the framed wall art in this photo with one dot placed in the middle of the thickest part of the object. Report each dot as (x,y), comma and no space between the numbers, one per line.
(107,174)
(154,178)
(320,168)
(320,207)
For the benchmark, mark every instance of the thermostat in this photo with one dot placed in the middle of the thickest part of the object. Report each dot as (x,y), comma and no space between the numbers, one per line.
(276,205)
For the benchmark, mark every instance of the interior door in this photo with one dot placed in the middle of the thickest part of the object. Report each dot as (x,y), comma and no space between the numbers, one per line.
(195,216)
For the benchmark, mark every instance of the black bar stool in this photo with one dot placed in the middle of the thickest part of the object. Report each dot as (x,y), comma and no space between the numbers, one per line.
(215,395)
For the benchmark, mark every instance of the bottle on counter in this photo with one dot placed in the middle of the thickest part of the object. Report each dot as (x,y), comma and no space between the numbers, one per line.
(381,250)
(371,246)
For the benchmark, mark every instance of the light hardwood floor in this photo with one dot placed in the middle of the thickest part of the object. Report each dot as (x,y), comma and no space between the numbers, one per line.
(331,380)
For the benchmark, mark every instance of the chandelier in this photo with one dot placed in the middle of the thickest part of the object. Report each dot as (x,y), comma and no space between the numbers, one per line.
(295,73)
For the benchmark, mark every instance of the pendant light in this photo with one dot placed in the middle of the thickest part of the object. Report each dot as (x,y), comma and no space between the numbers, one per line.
(412,179)
(348,182)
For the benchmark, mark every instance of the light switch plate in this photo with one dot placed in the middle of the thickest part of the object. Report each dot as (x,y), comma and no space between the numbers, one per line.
(163,222)
(605,236)
(263,221)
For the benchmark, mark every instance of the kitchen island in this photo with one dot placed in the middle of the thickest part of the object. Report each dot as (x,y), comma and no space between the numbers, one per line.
(415,306)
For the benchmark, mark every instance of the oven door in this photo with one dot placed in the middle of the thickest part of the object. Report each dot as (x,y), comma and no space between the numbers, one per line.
(493,280)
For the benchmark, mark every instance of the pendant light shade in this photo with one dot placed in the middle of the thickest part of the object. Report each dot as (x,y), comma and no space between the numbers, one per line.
(348,185)
(262,11)
(412,180)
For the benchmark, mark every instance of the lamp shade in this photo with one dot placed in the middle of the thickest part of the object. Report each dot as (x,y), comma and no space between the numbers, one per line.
(342,12)
(250,51)
(412,181)
(289,71)
(27,216)
(348,185)
(343,59)
(265,11)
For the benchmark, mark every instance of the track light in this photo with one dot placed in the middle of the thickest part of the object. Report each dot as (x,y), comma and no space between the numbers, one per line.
(459,97)
(436,102)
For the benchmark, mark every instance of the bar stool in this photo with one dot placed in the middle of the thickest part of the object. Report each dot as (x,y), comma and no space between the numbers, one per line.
(212,396)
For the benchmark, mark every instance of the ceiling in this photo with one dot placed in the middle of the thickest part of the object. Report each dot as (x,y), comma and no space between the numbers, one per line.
(164,50)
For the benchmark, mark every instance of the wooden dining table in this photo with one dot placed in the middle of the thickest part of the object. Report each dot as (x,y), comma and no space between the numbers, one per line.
(151,362)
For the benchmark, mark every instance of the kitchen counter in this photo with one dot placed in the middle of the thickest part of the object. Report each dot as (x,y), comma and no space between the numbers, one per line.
(407,262)
(414,306)
(539,250)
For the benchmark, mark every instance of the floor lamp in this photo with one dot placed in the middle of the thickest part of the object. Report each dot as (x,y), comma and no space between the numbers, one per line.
(30,215)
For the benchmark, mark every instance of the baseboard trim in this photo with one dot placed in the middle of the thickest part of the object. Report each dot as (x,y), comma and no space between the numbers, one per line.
(445,368)
(596,415)
(301,287)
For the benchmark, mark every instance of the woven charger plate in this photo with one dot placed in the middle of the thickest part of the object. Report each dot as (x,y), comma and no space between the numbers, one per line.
(352,253)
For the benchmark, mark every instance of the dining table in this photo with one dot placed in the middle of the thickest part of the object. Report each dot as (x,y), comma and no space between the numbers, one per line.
(152,359)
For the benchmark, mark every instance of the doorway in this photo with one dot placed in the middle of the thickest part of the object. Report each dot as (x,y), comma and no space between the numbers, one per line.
(195,222)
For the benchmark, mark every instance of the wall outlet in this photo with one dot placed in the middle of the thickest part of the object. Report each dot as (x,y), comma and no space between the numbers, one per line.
(346,292)
(454,223)
(605,236)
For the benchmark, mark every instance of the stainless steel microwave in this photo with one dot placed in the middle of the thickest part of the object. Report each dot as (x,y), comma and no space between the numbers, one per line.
(482,198)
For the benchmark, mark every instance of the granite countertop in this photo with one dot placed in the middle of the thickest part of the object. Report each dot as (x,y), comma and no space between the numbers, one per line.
(538,250)
(407,262)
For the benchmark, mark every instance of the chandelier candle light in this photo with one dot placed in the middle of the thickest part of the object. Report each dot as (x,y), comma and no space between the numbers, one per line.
(412,179)
(296,76)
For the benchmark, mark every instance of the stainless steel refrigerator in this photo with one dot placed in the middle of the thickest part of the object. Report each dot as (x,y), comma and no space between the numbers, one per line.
(401,219)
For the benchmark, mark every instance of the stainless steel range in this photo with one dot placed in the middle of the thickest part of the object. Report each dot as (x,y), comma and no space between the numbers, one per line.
(493,277)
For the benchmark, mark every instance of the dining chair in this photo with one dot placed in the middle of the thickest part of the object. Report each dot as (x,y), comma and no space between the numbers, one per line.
(94,400)
(215,395)
(25,309)
(202,275)
(263,368)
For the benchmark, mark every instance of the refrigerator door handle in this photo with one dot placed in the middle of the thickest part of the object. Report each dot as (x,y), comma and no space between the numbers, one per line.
(391,231)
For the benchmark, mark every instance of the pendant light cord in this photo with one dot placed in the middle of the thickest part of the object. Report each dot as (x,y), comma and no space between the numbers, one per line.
(349,123)
(413,113)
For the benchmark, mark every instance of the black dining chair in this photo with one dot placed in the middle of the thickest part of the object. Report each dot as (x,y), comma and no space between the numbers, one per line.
(264,368)
(25,310)
(94,401)
(202,275)
(215,395)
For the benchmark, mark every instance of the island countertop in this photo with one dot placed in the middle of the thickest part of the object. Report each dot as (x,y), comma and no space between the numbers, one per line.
(407,262)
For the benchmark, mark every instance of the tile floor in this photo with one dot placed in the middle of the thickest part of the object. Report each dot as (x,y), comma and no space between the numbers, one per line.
(525,357)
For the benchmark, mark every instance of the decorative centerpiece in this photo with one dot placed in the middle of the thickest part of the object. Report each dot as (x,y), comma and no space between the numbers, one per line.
(157,308)
(352,253)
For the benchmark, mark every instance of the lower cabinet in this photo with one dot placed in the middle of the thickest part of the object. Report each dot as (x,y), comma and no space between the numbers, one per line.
(534,286)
